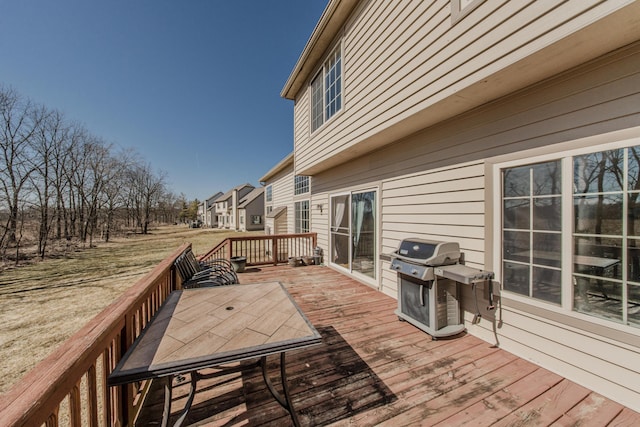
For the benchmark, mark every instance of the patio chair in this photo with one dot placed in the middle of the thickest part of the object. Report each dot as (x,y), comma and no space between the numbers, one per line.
(195,274)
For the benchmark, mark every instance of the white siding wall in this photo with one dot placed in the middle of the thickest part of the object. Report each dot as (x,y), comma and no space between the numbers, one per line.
(281,224)
(434,185)
(403,59)
(282,185)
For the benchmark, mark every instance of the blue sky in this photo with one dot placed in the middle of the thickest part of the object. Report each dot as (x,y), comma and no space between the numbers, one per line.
(192,85)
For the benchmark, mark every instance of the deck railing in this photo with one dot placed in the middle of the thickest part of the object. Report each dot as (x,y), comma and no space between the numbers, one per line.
(268,249)
(69,387)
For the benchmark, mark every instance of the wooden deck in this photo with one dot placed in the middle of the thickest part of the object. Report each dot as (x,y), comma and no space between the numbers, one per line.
(375,370)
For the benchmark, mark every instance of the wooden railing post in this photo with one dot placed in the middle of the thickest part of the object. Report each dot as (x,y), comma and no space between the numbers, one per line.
(274,250)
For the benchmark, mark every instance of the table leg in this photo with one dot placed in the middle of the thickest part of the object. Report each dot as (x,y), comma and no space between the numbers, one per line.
(168,392)
(286,401)
(192,394)
(166,412)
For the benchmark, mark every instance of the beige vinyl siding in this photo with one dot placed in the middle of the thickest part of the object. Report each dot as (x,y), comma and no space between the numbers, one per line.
(437,184)
(281,224)
(282,194)
(320,221)
(402,58)
(302,124)
(444,204)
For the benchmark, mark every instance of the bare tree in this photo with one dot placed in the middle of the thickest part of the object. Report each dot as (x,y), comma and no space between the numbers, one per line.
(115,188)
(20,120)
(146,191)
(49,140)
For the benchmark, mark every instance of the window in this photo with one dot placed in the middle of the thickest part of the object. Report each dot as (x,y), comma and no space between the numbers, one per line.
(461,8)
(599,190)
(256,219)
(301,184)
(532,230)
(268,193)
(326,90)
(302,216)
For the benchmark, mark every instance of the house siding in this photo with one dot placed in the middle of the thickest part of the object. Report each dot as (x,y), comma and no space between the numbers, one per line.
(282,193)
(406,66)
(436,184)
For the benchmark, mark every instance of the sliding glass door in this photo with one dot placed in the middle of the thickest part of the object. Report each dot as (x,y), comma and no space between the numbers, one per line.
(353,232)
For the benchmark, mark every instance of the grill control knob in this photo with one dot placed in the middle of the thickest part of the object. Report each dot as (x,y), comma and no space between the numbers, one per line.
(414,271)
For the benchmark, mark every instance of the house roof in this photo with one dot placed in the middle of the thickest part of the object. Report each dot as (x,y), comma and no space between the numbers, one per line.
(276,212)
(228,194)
(254,194)
(214,197)
(331,22)
(282,164)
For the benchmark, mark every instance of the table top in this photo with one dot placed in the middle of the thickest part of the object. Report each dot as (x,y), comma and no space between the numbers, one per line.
(205,327)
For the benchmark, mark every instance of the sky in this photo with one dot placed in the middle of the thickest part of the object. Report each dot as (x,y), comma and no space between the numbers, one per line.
(193,86)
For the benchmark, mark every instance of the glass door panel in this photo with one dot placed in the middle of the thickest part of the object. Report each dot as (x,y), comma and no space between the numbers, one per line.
(340,230)
(363,233)
(353,232)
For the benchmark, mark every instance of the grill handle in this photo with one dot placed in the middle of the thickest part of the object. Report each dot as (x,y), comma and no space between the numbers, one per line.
(422,295)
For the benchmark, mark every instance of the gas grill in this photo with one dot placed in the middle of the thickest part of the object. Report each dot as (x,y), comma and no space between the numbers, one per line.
(429,274)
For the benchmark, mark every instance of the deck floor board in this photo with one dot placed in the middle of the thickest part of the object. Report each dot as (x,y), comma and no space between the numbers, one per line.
(374,370)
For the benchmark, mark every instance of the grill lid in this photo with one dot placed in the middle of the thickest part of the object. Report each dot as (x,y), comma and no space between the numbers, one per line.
(428,252)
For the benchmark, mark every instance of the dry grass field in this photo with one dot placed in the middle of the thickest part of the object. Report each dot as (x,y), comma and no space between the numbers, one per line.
(44,303)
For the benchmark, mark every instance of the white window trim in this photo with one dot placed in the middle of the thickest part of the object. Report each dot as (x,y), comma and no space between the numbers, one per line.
(461,8)
(295,189)
(321,71)
(563,151)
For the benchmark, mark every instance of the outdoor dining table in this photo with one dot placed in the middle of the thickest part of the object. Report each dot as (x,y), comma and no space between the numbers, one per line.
(212,327)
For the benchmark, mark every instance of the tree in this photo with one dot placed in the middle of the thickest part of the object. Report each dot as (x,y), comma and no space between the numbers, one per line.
(20,120)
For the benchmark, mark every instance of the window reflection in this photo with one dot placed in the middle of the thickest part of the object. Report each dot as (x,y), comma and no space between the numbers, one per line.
(598,172)
(516,214)
(532,222)
(547,213)
(598,214)
(516,182)
(546,178)
(516,278)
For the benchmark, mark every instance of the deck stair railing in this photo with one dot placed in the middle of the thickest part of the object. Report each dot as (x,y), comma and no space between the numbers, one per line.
(264,250)
(69,387)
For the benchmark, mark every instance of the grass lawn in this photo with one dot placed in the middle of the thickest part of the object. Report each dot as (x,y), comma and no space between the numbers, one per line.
(43,304)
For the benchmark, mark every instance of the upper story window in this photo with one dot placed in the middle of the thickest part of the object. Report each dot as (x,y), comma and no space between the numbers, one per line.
(460,8)
(268,193)
(326,90)
(301,184)
(571,232)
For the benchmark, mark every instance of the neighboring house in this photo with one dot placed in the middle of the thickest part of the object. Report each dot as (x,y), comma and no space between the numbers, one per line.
(201,214)
(251,211)
(226,206)
(210,218)
(287,199)
(512,128)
